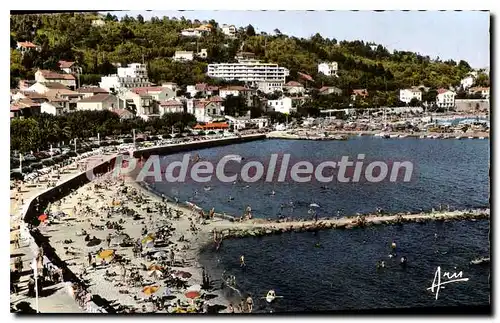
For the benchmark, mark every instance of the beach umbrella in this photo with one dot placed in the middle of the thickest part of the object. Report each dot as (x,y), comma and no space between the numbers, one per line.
(43,217)
(148,290)
(192,294)
(106,254)
(155,267)
(147,239)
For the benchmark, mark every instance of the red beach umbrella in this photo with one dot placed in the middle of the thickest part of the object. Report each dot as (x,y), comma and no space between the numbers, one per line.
(192,294)
(43,217)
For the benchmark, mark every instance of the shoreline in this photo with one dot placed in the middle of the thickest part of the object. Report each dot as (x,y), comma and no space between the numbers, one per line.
(338,135)
(203,238)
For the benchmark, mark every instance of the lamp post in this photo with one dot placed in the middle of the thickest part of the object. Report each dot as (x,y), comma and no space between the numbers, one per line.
(21,163)
(75,144)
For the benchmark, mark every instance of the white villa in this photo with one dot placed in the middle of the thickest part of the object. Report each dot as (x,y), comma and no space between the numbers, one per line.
(328,69)
(406,95)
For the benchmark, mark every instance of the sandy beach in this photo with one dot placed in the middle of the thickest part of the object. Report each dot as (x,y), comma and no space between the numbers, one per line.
(91,209)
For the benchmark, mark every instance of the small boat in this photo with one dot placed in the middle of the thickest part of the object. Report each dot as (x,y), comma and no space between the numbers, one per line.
(271,296)
(481,137)
(458,137)
(470,137)
(422,136)
(394,136)
(480,261)
(402,136)
(207,188)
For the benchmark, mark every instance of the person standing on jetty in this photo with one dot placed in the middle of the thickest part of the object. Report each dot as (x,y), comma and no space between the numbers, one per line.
(242,261)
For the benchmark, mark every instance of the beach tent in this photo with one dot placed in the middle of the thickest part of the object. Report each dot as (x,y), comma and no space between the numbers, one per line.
(148,290)
(106,254)
(192,294)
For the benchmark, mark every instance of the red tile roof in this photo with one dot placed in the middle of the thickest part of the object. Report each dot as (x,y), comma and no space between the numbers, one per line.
(91,89)
(362,92)
(216,99)
(441,91)
(215,125)
(294,84)
(50,75)
(234,88)
(171,103)
(147,89)
(65,64)
(98,98)
(305,76)
(479,88)
(27,44)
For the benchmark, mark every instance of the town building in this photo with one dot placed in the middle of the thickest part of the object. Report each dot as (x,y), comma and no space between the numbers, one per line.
(202,88)
(171,106)
(158,93)
(205,110)
(181,56)
(197,31)
(485,91)
(26,46)
(359,93)
(98,102)
(445,98)
(25,84)
(326,90)
(234,90)
(328,69)
(45,76)
(293,87)
(24,108)
(89,91)
(406,95)
(248,70)
(283,105)
(54,108)
(132,76)
(69,67)
(270,86)
(142,103)
(43,88)
(229,30)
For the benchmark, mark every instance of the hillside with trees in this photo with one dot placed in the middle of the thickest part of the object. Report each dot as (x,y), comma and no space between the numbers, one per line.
(133,39)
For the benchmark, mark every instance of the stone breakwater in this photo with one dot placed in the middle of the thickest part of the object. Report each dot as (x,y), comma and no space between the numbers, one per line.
(258,227)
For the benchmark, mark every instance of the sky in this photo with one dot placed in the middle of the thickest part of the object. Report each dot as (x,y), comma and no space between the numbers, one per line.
(448,34)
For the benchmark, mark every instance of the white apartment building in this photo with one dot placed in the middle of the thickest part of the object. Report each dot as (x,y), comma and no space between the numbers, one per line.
(270,86)
(328,69)
(229,30)
(445,98)
(406,95)
(467,82)
(183,56)
(252,71)
(134,75)
(283,105)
